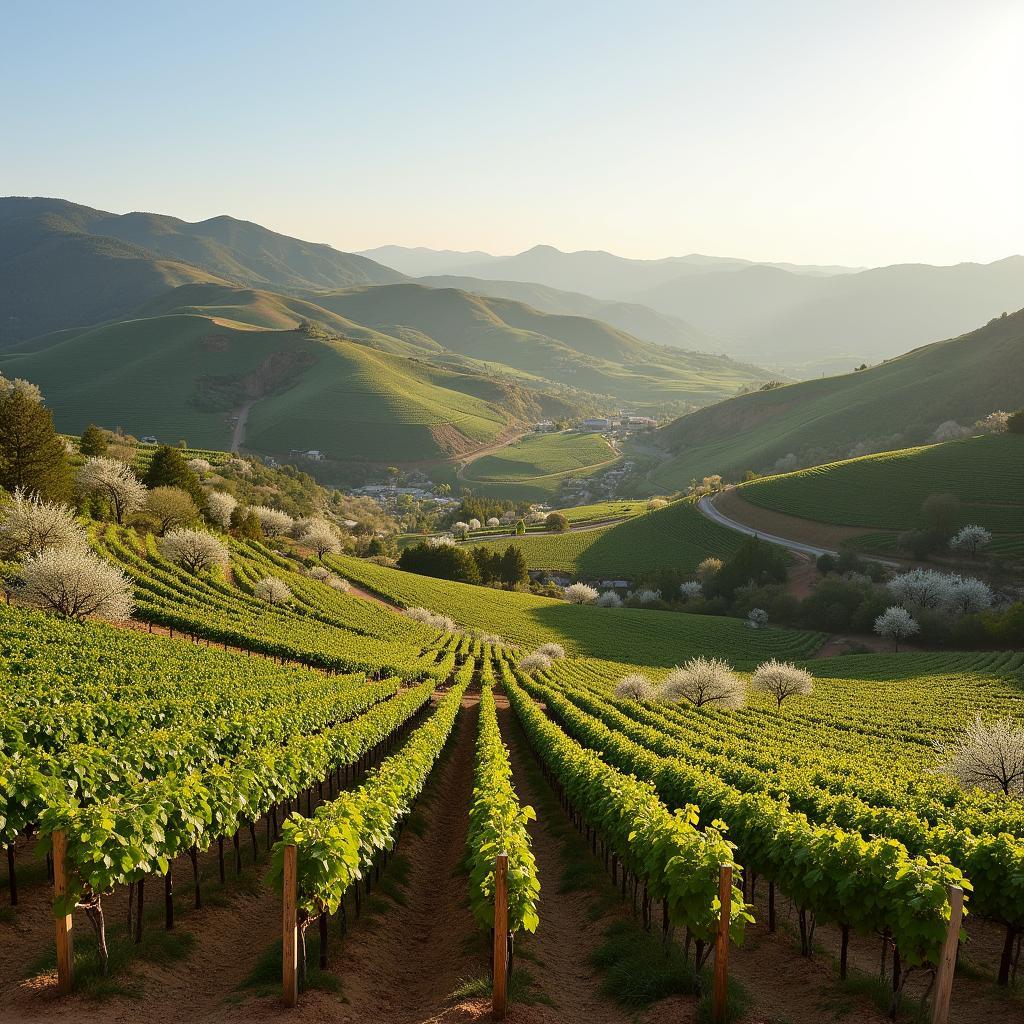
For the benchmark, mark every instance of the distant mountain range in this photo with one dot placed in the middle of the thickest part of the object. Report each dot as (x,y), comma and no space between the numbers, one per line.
(170,328)
(804,319)
(894,405)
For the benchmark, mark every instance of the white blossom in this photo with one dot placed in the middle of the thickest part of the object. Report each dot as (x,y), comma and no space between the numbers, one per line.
(757,618)
(321,536)
(989,755)
(193,550)
(112,480)
(273,521)
(896,624)
(29,525)
(656,503)
(535,662)
(971,538)
(580,593)
(76,583)
(474,524)
(494,521)
(782,679)
(552,650)
(690,590)
(703,681)
(644,596)
(272,590)
(200,466)
(609,599)
(219,506)
(635,687)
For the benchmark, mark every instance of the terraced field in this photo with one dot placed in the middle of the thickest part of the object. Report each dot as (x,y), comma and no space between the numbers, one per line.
(619,635)
(675,537)
(885,492)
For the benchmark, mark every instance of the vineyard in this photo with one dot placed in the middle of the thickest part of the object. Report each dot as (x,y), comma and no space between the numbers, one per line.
(675,537)
(139,761)
(885,492)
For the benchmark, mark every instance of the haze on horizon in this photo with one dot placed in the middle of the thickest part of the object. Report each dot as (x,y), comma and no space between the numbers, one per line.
(859,134)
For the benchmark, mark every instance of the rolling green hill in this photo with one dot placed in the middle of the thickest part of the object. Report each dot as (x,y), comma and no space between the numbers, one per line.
(184,375)
(885,492)
(66,265)
(675,537)
(576,351)
(889,406)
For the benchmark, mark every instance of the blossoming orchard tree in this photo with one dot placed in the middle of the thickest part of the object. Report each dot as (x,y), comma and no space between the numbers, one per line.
(219,506)
(273,591)
(321,536)
(896,624)
(29,525)
(782,679)
(971,538)
(635,687)
(194,550)
(705,681)
(114,482)
(580,593)
(273,521)
(77,584)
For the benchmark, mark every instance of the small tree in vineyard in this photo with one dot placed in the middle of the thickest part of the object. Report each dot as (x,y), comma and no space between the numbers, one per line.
(635,687)
(77,584)
(896,624)
(705,681)
(782,679)
(193,550)
(273,591)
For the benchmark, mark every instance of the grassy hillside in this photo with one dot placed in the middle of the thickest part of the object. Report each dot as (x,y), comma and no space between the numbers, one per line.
(65,265)
(668,637)
(889,406)
(885,492)
(543,460)
(676,537)
(575,351)
(183,376)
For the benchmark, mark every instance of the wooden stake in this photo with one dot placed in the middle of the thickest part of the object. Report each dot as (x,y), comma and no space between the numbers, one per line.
(63,922)
(947,963)
(499,1001)
(722,945)
(290,928)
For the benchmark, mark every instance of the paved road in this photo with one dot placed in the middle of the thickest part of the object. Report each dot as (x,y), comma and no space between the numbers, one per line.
(238,435)
(706,505)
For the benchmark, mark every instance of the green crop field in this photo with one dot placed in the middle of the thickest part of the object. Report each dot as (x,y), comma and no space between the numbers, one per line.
(885,492)
(542,461)
(675,537)
(604,510)
(619,635)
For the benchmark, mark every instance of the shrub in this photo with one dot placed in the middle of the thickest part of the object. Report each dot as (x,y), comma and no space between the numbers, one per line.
(988,755)
(896,624)
(29,525)
(918,544)
(493,521)
(705,681)
(474,524)
(609,599)
(656,503)
(690,590)
(709,569)
(273,591)
(76,583)
(432,619)
(338,583)
(993,423)
(643,598)
(782,679)
(193,550)
(580,593)
(460,529)
(446,562)
(557,523)
(635,687)
(826,563)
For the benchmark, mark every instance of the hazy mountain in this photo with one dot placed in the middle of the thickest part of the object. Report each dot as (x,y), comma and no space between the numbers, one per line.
(893,405)
(66,265)
(641,321)
(419,262)
(778,317)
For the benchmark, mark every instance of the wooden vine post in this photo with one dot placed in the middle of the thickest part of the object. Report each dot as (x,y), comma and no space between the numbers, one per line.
(63,922)
(721,980)
(947,962)
(499,1000)
(290,928)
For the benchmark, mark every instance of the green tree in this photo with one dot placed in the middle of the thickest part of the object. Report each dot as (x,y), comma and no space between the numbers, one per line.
(168,468)
(246,524)
(520,528)
(32,455)
(556,522)
(93,441)
(1015,424)
(513,566)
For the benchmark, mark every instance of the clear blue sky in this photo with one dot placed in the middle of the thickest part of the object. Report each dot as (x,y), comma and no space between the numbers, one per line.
(846,131)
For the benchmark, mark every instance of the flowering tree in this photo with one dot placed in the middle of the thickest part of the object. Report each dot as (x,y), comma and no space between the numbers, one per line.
(989,755)
(494,521)
(535,662)
(656,503)
(971,538)
(757,618)
(553,651)
(704,681)
(580,593)
(219,506)
(320,573)
(994,423)
(272,590)
(896,624)
(474,524)
(200,466)
(644,596)
(947,592)
(432,619)
(273,521)
(950,430)
(193,550)
(609,599)
(29,525)
(709,569)
(635,687)
(443,541)
(337,583)
(966,596)
(76,583)
(114,481)
(321,536)
(782,679)
(690,590)
(460,529)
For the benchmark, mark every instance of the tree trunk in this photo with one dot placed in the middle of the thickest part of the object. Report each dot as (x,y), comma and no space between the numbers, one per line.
(220,857)
(12,880)
(141,895)
(169,898)
(771,906)
(94,911)
(1007,957)
(193,855)
(843,949)
(323,922)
